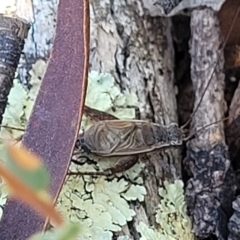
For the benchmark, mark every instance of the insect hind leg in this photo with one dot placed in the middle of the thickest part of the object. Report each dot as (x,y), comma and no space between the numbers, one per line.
(121,165)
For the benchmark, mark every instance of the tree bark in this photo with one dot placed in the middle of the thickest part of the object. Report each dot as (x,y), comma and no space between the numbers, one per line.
(211,189)
(131,42)
(13,32)
(137,50)
(40,37)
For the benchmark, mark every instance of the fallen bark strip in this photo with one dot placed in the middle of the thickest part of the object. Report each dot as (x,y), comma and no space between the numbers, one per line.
(54,123)
(13,32)
(211,189)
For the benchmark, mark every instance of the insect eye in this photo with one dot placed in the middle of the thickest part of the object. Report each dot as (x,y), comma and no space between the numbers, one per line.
(79,143)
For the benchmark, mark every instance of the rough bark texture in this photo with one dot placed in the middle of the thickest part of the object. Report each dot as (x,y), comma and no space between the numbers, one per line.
(135,47)
(167,5)
(211,189)
(137,50)
(40,37)
(13,32)
(234,222)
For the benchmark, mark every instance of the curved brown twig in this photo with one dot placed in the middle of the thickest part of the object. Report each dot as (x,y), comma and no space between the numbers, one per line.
(53,127)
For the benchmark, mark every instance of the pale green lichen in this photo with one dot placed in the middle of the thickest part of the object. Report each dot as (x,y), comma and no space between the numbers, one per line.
(124,238)
(174,223)
(101,204)
(7,7)
(103,94)
(20,103)
(16,115)
(36,73)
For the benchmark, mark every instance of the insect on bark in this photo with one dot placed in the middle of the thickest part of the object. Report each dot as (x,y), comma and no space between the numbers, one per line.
(121,138)
(126,138)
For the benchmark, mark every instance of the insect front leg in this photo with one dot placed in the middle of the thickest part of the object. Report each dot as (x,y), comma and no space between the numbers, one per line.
(96,115)
(123,164)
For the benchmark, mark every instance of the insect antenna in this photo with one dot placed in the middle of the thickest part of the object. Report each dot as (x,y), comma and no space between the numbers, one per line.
(13,128)
(191,135)
(211,77)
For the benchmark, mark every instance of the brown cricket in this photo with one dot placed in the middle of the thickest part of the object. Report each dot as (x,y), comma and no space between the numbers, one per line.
(115,137)
(120,138)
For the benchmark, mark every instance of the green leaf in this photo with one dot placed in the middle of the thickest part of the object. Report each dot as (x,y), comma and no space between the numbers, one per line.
(37,179)
(67,232)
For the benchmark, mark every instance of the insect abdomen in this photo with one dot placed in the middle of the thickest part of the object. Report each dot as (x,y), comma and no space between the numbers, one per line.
(117,137)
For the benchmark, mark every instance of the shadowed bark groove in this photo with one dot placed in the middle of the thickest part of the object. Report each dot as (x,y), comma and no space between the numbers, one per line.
(233,131)
(211,189)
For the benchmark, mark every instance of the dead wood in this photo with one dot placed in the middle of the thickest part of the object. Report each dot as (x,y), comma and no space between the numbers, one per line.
(13,32)
(211,189)
(167,5)
(137,50)
(40,40)
(234,222)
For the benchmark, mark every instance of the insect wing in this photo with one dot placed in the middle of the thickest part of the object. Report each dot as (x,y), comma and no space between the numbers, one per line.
(117,137)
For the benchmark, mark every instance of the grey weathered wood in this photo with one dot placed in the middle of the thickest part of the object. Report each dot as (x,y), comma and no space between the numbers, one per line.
(211,189)
(167,5)
(13,31)
(137,50)
(40,36)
